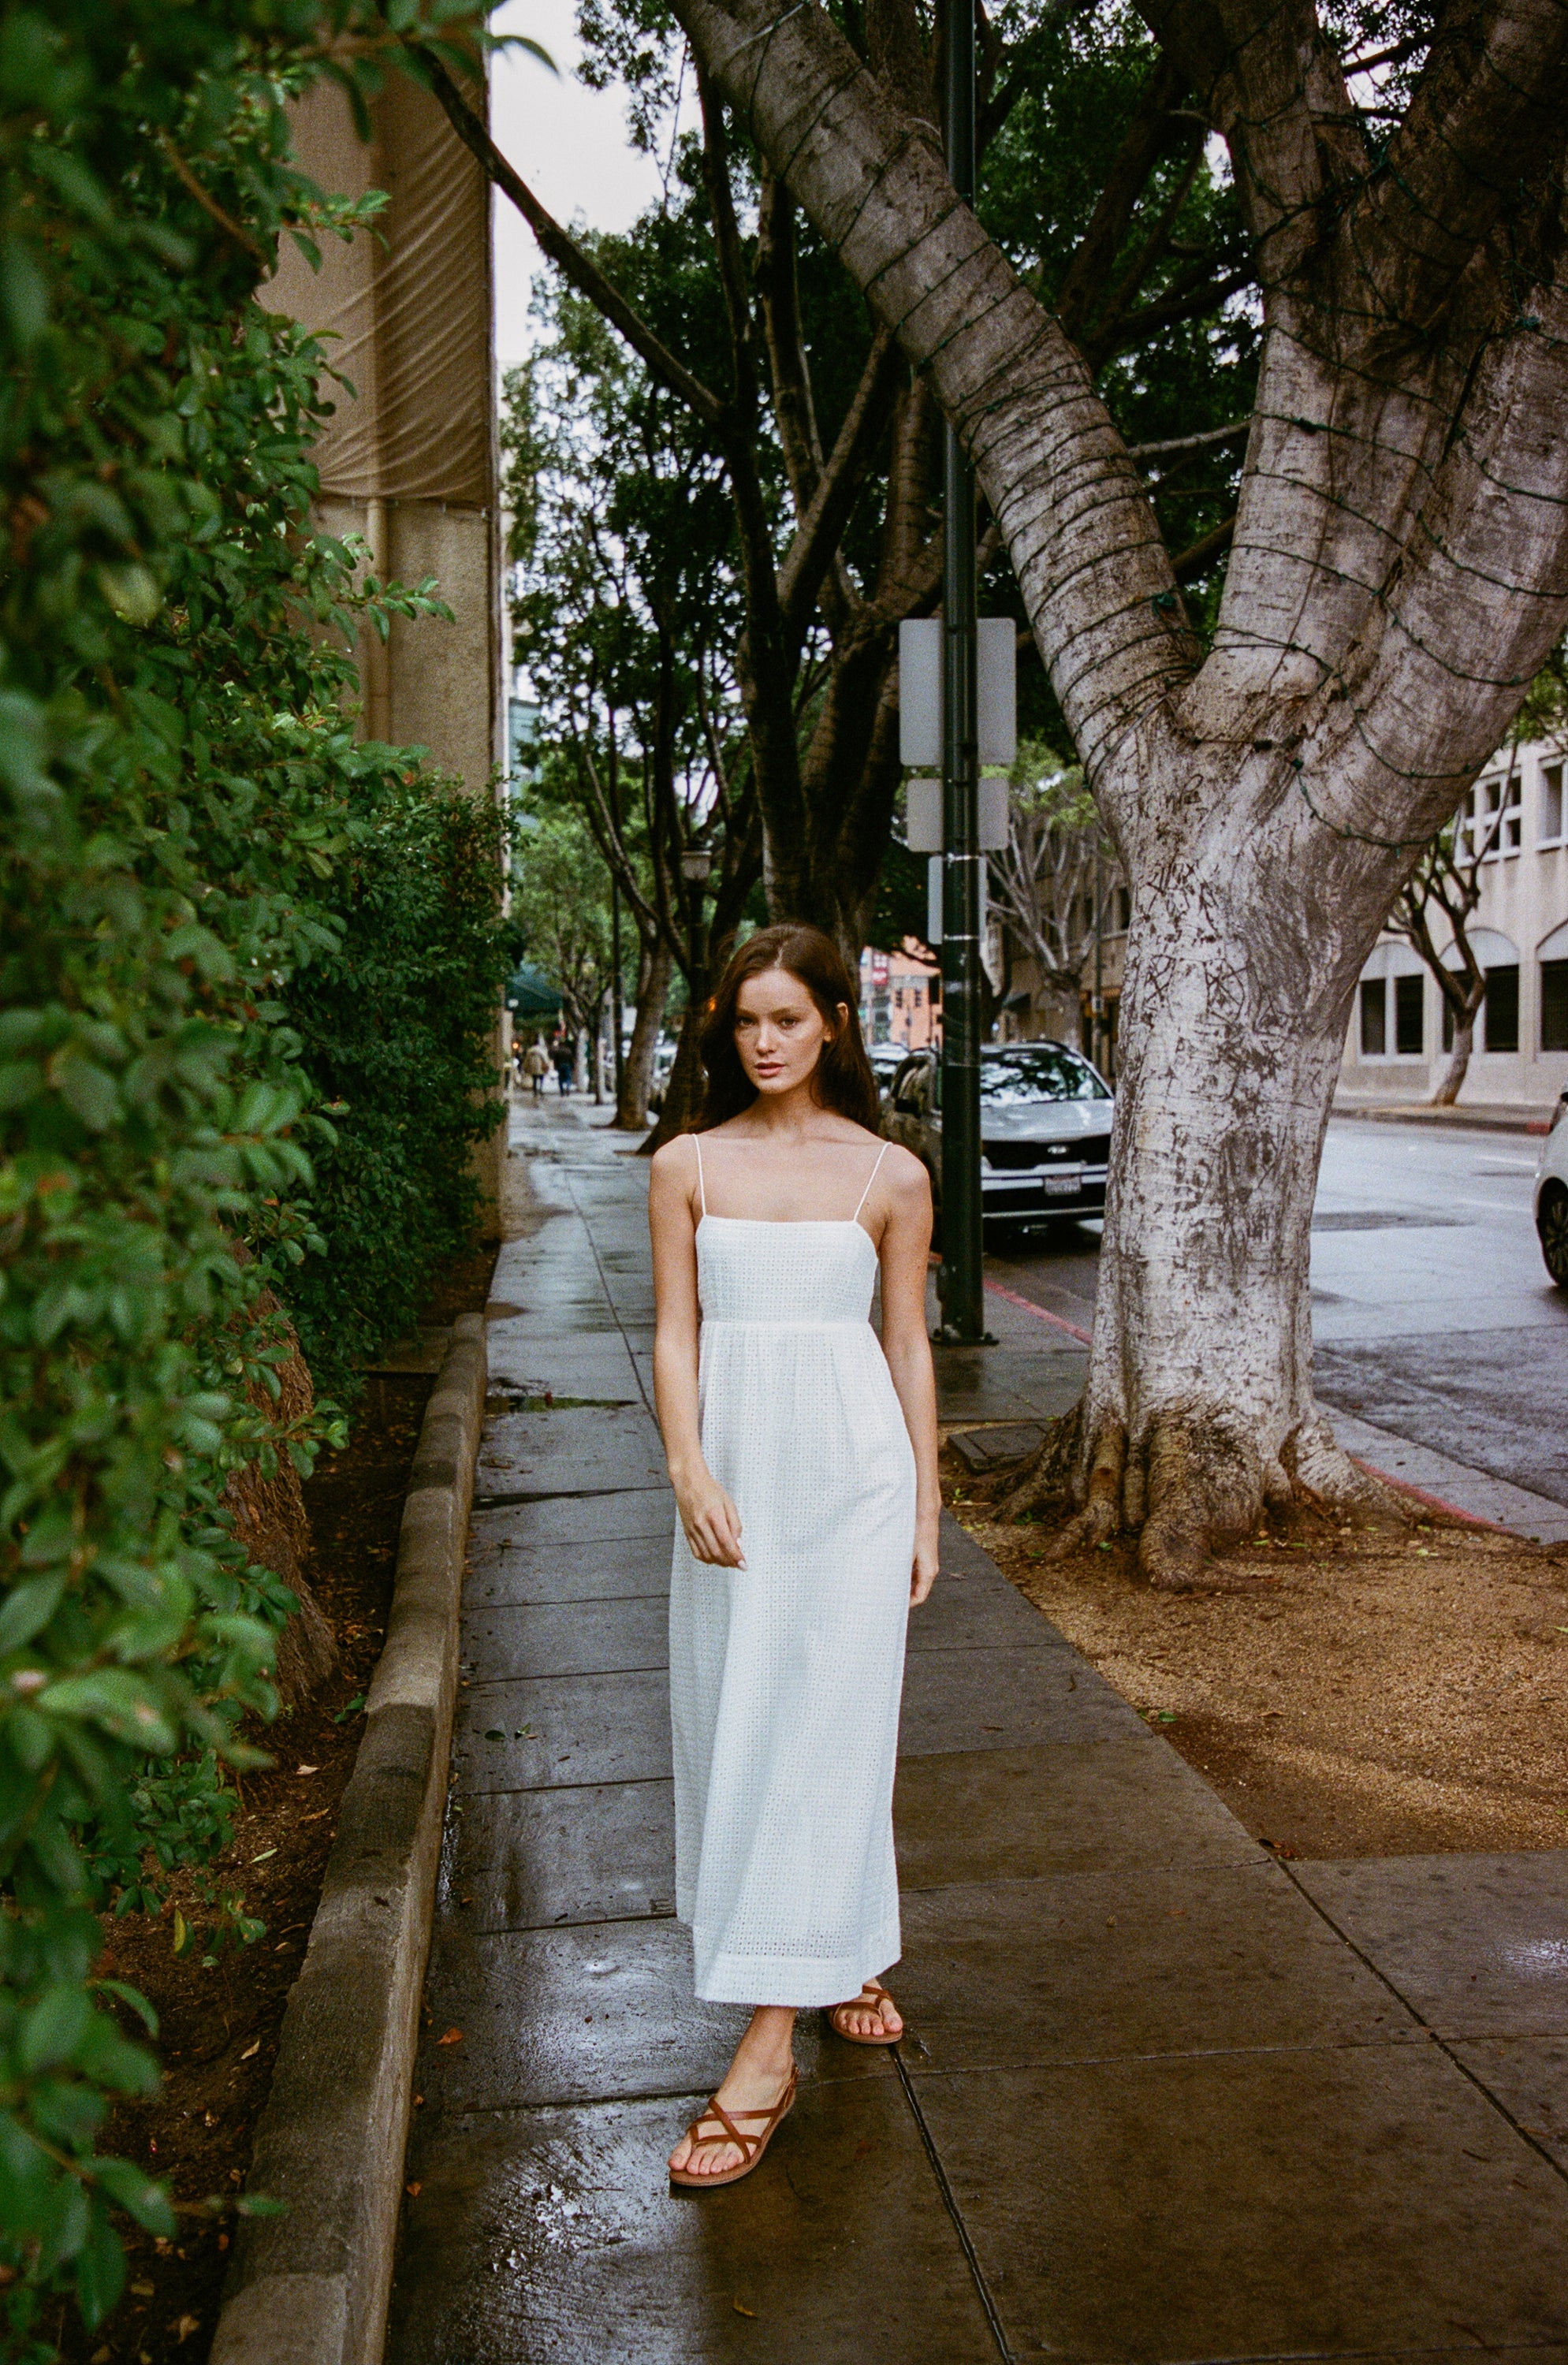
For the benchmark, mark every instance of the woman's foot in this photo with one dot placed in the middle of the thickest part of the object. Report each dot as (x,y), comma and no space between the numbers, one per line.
(872,2016)
(755,2081)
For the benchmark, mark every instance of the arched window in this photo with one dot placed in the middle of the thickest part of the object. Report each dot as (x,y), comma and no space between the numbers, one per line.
(1552,954)
(1497,1024)
(1394,1001)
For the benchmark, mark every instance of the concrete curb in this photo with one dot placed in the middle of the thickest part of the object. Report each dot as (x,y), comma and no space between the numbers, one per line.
(1463,1120)
(312,2287)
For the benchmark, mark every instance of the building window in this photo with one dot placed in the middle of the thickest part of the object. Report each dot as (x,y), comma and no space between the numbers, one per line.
(1554,1006)
(1123,909)
(1409,1016)
(1491,818)
(1503,1008)
(1374,1029)
(1549,832)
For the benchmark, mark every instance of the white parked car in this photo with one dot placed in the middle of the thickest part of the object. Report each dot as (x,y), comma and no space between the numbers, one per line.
(1552,1195)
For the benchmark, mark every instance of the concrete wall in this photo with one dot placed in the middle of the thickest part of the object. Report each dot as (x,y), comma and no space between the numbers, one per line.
(408,460)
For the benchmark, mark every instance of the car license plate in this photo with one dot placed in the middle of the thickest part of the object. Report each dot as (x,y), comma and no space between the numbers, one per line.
(1064,1186)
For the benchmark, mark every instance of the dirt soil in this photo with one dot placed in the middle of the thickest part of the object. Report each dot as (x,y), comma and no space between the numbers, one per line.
(218,2027)
(1376,1689)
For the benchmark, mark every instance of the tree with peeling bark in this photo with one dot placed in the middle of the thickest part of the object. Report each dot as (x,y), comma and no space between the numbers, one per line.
(1398,571)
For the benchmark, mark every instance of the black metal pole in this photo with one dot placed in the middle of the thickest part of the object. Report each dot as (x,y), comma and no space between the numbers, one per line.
(962,1283)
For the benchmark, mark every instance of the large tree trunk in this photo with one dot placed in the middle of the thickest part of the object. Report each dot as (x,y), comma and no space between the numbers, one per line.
(1198,1411)
(654,966)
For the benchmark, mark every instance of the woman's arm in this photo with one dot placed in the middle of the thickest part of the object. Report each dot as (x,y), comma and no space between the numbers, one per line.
(710,1520)
(904,1251)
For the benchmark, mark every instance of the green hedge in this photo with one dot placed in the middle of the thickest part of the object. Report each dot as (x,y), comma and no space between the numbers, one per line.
(196,865)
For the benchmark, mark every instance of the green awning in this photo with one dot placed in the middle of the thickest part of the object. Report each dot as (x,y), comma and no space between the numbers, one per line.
(531,995)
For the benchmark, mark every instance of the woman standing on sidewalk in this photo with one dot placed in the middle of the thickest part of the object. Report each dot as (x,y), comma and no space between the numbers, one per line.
(803,1458)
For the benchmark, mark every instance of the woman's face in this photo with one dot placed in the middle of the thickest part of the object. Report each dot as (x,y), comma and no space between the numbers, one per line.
(779,1031)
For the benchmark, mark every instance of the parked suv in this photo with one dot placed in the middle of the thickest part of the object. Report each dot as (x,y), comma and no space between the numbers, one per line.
(1551,1196)
(1045,1128)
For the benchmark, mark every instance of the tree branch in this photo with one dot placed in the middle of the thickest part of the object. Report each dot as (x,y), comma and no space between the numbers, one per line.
(817,538)
(1201,556)
(1084,281)
(732,257)
(1234,433)
(794,408)
(568,257)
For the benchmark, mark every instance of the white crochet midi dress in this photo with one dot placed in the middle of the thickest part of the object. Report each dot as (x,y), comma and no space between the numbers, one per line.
(786,1676)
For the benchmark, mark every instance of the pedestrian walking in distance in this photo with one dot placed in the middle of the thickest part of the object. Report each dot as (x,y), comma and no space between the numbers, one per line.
(566,1061)
(803,1456)
(536,1066)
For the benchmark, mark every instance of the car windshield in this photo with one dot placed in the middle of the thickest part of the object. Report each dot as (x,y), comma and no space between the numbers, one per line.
(1045,1073)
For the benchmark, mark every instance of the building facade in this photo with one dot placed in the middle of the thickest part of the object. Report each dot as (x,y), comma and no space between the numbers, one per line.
(900,998)
(1398,1041)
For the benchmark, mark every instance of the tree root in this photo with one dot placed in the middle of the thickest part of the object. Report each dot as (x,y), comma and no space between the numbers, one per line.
(1051,1470)
(1199,1478)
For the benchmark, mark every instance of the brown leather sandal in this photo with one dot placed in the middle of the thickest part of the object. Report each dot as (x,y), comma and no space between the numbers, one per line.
(718,2125)
(872,1991)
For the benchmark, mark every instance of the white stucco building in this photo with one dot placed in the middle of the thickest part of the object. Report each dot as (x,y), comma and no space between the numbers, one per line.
(1395,1048)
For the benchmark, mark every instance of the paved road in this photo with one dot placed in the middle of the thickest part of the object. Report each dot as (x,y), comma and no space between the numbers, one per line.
(1433,1313)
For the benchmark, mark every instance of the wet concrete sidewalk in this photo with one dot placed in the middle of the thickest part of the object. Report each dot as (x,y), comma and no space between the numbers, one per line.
(1162,2097)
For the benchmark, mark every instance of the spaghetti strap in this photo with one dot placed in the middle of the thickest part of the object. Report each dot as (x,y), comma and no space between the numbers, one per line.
(701,1193)
(869,1179)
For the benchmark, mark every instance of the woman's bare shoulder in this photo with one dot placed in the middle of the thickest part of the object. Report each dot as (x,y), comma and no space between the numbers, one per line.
(904,1175)
(676,1162)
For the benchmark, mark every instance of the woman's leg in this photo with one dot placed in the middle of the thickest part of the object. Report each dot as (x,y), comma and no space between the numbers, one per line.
(754,2081)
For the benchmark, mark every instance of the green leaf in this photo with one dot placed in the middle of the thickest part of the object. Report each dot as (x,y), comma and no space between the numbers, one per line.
(132,592)
(88,1090)
(24,293)
(133,1997)
(27,1609)
(53,2029)
(100,2272)
(132,2190)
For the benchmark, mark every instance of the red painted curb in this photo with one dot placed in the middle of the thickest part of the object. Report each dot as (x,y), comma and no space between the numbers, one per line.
(1432,1502)
(1030,1307)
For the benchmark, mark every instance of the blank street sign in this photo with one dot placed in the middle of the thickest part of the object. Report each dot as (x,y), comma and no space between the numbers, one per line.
(923,816)
(920,691)
(996,690)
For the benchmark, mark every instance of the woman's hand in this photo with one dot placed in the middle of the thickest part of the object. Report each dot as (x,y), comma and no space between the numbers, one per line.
(712,1522)
(924,1575)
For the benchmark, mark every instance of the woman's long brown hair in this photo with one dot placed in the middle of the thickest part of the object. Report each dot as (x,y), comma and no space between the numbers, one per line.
(842,1079)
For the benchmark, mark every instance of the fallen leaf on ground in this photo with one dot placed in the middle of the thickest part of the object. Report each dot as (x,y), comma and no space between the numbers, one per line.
(742,2311)
(251,2049)
(453,2036)
(413,2190)
(185,2326)
(307,1769)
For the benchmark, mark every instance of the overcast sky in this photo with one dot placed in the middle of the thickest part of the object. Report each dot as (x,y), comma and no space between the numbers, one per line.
(570,145)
